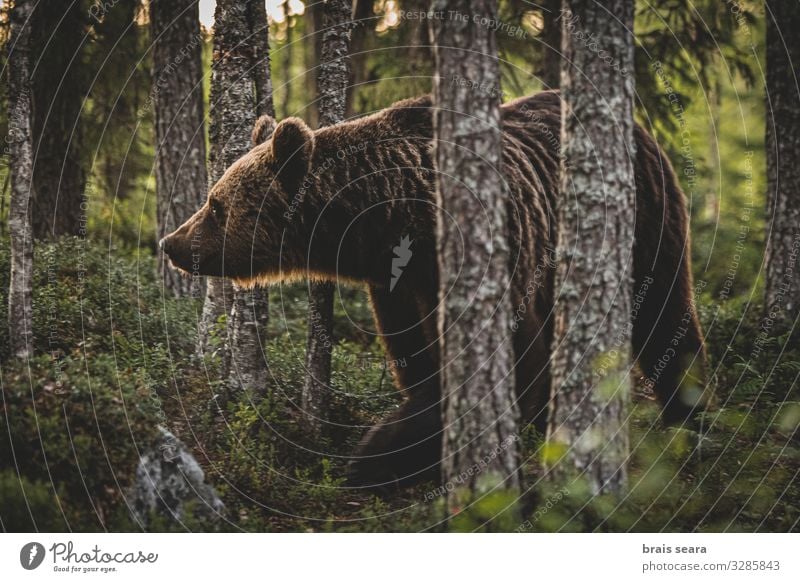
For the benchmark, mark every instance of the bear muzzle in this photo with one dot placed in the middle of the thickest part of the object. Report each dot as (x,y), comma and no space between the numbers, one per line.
(186,257)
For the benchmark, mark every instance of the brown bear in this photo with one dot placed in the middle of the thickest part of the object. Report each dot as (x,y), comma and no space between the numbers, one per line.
(355,203)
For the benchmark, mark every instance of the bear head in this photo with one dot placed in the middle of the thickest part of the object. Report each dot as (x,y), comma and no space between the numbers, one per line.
(239,231)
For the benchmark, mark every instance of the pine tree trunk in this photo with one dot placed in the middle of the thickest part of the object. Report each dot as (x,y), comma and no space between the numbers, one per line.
(590,366)
(20,311)
(177,94)
(782,281)
(59,88)
(332,82)
(551,44)
(480,417)
(240,90)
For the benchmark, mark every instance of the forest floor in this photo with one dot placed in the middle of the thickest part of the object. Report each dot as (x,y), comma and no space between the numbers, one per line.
(117,358)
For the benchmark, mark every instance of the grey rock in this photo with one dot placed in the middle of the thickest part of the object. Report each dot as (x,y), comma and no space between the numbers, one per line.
(167,479)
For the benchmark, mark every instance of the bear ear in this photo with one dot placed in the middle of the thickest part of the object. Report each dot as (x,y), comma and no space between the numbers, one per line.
(292,145)
(263,128)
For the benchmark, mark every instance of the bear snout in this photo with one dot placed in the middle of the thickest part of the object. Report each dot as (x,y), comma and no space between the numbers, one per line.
(171,246)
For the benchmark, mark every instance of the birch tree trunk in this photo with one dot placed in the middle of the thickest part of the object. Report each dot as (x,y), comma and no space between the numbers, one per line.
(595,241)
(250,312)
(177,93)
(20,311)
(240,89)
(480,417)
(782,281)
(332,82)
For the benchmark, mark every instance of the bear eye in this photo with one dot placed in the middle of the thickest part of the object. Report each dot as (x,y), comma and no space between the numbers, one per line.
(216,209)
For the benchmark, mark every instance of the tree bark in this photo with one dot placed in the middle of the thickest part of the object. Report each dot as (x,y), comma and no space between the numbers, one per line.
(551,44)
(332,82)
(782,283)
(250,313)
(591,345)
(286,64)
(313,57)
(240,90)
(363,22)
(177,93)
(59,88)
(20,311)
(480,416)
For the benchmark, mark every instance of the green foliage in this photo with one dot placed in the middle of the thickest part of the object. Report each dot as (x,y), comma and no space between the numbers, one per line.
(740,475)
(72,432)
(90,299)
(116,357)
(79,413)
(489,509)
(698,43)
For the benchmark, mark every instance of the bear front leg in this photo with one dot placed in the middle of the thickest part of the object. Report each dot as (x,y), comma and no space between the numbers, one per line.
(669,344)
(406,446)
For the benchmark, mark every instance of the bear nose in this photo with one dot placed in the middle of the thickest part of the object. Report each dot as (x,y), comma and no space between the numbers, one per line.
(162,244)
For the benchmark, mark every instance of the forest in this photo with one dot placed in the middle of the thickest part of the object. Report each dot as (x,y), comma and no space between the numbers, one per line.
(400,266)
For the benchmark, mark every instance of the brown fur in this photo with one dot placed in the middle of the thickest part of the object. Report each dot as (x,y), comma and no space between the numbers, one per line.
(332,204)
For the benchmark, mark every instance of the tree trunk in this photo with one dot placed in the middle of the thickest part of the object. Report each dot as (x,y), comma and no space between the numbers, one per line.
(250,314)
(20,311)
(288,49)
(591,344)
(177,94)
(59,88)
(363,23)
(240,90)
(551,44)
(782,282)
(480,416)
(332,82)
(313,57)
